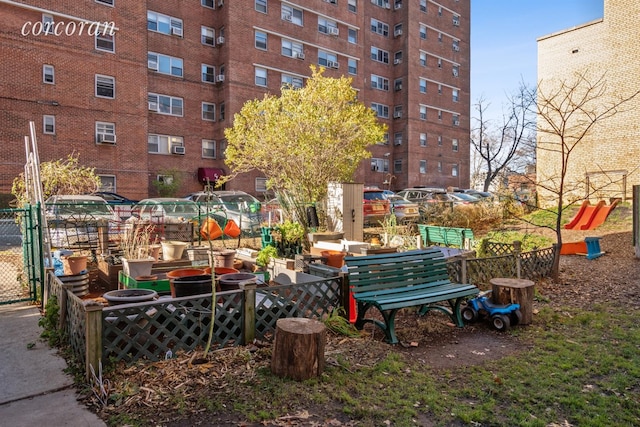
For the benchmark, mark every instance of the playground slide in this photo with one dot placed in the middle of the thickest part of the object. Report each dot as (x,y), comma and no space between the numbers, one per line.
(571,224)
(584,216)
(600,216)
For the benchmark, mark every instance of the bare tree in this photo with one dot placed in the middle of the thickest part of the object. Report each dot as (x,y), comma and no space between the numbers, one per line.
(498,146)
(568,111)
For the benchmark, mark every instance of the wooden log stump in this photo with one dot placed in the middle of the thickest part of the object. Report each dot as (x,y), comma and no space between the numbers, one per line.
(298,348)
(518,291)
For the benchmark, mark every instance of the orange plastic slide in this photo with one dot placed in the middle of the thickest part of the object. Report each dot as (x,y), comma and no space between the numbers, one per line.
(589,217)
(600,216)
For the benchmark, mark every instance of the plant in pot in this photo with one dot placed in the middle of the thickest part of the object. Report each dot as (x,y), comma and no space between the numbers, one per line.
(263,259)
(135,244)
(289,237)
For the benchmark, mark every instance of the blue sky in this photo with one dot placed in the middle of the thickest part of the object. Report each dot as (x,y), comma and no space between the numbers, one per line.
(503,41)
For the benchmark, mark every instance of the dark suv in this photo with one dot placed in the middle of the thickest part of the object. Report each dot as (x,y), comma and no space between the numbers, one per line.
(374,206)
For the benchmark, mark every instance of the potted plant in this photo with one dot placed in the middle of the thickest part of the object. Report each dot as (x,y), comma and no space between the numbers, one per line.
(289,237)
(264,258)
(135,245)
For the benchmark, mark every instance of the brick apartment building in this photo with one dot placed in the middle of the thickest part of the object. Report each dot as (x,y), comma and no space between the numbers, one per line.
(157,94)
(608,159)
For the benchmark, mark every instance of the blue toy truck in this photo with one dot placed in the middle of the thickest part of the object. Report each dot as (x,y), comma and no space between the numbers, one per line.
(502,316)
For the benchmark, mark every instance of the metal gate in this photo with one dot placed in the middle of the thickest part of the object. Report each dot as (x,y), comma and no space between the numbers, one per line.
(21,258)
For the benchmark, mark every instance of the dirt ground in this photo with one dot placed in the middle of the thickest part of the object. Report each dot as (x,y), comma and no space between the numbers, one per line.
(432,339)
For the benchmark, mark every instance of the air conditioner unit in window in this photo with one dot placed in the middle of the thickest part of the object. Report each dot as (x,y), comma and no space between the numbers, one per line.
(455,73)
(106,138)
(397,33)
(152,65)
(176,31)
(387,5)
(153,106)
(398,87)
(397,6)
(456,48)
(287,17)
(220,40)
(333,64)
(178,149)
(220,3)
(397,61)
(397,115)
(298,55)
(219,78)
(397,142)
(334,31)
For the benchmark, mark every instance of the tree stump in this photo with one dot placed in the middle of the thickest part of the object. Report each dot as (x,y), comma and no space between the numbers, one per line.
(518,291)
(298,348)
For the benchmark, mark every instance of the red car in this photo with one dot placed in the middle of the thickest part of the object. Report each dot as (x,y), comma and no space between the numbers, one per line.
(375,207)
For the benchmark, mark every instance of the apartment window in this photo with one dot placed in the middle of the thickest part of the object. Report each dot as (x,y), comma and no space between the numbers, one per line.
(222,147)
(439,10)
(439,114)
(439,89)
(423,166)
(397,166)
(456,120)
(48,74)
(292,49)
(439,62)
(456,70)
(423,32)
(455,45)
(455,93)
(397,111)
(397,85)
(379,165)
(397,4)
(208,3)
(163,144)
(105,132)
(261,6)
(49,125)
(165,104)
(208,36)
(454,170)
(208,149)
(327,59)
(423,6)
(423,112)
(423,59)
(385,139)
(456,21)
(353,66)
(379,55)
(397,30)
(107,183)
(208,111)
(378,82)
(381,3)
(164,24)
(440,167)
(440,37)
(397,138)
(440,140)
(105,42)
(423,86)
(290,13)
(352,6)
(352,36)
(261,40)
(423,139)
(261,77)
(222,111)
(105,86)
(290,81)
(261,185)
(379,27)
(454,145)
(208,73)
(381,110)
(165,64)
(397,57)
(47,24)
(107,2)
(327,26)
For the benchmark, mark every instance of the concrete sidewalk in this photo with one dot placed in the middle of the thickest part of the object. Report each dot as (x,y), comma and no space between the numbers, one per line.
(34,388)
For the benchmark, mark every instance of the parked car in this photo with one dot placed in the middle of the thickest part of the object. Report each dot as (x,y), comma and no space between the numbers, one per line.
(120,204)
(73,220)
(420,195)
(462,198)
(241,207)
(165,209)
(403,209)
(375,207)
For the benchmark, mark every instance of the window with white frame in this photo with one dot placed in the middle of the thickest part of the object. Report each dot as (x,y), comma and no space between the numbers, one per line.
(439,140)
(456,70)
(455,93)
(379,27)
(164,24)
(439,114)
(423,6)
(222,110)
(455,45)
(379,55)
(439,89)
(439,10)
(49,125)
(397,112)
(379,165)
(261,185)
(397,30)
(381,110)
(105,42)
(208,149)
(397,138)
(352,35)
(107,183)
(291,48)
(397,166)
(456,20)
(261,77)
(382,3)
(423,85)
(260,40)
(439,62)
(352,5)
(261,6)
(379,82)
(454,170)
(48,74)
(105,133)
(423,59)
(165,64)
(290,81)
(397,57)
(327,26)
(105,86)
(353,66)
(47,23)
(440,37)
(208,3)
(208,111)
(207,36)
(107,2)
(397,84)
(455,120)
(165,104)
(454,145)
(423,166)
(163,144)
(208,73)
(423,112)
(423,139)
(326,59)
(423,31)
(222,147)
(291,14)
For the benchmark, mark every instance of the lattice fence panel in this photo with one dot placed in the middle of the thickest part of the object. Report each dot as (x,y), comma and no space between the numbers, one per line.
(537,264)
(495,249)
(76,325)
(481,270)
(454,268)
